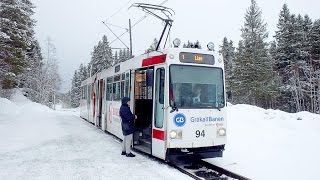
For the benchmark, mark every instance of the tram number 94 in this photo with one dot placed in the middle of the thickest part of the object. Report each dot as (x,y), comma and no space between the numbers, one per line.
(200,133)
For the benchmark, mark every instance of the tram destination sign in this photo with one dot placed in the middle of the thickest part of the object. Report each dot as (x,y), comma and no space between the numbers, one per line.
(186,57)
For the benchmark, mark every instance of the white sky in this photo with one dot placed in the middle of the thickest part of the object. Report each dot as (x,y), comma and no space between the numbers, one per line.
(75,26)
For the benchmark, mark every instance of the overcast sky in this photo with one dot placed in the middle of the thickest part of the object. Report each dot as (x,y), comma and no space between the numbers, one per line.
(75,26)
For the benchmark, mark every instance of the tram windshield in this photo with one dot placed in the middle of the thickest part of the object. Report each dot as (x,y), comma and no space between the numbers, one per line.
(193,87)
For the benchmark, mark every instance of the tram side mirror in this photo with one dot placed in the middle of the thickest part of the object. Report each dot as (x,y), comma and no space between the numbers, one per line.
(174,108)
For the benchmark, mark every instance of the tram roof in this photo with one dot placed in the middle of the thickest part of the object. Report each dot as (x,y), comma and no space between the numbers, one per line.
(136,62)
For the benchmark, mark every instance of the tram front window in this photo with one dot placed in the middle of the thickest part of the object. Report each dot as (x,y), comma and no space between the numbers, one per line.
(194,87)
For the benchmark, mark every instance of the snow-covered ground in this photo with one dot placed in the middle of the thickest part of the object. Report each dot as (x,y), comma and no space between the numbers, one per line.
(38,143)
(272,144)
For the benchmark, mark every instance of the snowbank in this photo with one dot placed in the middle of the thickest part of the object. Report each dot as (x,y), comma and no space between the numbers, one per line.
(16,117)
(271,144)
(7,108)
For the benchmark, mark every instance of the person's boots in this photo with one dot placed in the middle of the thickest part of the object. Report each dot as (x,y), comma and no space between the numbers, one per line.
(130,155)
(123,153)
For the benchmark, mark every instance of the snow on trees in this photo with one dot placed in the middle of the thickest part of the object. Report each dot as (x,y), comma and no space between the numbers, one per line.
(314,40)
(101,56)
(228,53)
(16,35)
(293,62)
(253,67)
(75,89)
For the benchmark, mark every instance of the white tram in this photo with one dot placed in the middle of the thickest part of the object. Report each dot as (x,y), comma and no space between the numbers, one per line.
(177,94)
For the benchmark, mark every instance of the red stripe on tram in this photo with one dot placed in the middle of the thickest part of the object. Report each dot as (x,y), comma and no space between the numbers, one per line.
(154,60)
(158,134)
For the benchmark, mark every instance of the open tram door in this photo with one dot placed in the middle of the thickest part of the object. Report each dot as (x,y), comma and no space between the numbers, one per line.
(143,108)
(158,123)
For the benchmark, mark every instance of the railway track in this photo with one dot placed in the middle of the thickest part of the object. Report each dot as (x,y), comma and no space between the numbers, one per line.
(202,170)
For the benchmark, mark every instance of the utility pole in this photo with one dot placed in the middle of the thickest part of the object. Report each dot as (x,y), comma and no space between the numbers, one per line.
(130,38)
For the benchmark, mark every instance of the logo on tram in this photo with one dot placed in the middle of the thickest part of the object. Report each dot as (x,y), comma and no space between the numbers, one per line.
(179,119)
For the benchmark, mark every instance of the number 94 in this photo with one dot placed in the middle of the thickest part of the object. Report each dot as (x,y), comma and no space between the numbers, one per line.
(200,133)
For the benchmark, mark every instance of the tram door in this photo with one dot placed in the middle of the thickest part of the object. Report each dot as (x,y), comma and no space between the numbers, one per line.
(99,115)
(158,129)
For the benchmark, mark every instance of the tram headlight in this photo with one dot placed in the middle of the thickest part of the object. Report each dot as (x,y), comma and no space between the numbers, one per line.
(176,42)
(173,134)
(176,134)
(210,46)
(221,132)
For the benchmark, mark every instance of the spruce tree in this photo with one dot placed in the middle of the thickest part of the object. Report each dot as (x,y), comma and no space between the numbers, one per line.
(16,34)
(30,80)
(253,63)
(106,53)
(116,58)
(293,61)
(153,46)
(314,40)
(83,74)
(228,53)
(283,58)
(75,90)
(101,57)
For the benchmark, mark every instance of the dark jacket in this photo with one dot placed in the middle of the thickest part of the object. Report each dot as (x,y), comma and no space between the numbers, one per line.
(127,117)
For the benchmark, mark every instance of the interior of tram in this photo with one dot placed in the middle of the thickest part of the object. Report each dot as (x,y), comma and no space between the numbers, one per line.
(143,99)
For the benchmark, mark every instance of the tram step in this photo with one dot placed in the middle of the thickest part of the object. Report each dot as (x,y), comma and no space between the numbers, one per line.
(145,141)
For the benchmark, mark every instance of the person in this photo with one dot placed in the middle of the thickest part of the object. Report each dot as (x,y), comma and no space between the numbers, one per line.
(196,94)
(127,125)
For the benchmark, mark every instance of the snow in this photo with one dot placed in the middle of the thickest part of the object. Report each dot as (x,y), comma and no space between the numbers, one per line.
(39,143)
(271,144)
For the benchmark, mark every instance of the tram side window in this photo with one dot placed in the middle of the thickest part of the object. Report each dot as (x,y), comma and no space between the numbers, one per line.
(81,88)
(89,93)
(85,92)
(160,75)
(144,84)
(109,89)
(82,92)
(116,88)
(161,87)
(122,94)
(127,81)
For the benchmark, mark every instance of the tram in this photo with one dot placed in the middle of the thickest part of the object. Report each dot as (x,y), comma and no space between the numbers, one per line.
(177,94)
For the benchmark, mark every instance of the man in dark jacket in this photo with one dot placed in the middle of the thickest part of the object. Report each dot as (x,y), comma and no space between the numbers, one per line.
(127,126)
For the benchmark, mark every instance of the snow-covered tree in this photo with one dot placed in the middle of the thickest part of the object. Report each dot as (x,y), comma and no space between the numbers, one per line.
(252,66)
(189,44)
(50,80)
(122,55)
(16,35)
(314,40)
(292,61)
(30,80)
(83,74)
(153,46)
(75,92)
(227,50)
(116,58)
(101,56)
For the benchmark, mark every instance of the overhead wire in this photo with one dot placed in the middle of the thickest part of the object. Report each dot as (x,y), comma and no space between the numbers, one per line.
(137,22)
(118,10)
